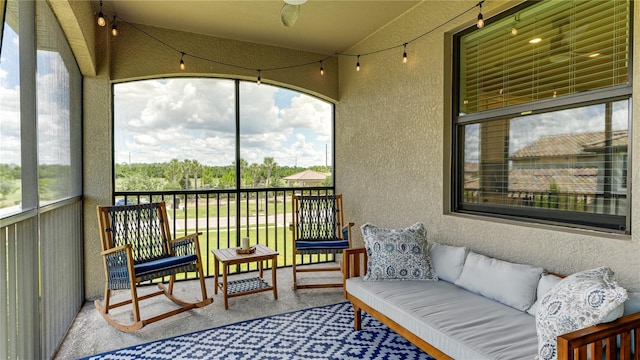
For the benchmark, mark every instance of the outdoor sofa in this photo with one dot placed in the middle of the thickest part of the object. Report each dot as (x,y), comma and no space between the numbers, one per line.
(477,307)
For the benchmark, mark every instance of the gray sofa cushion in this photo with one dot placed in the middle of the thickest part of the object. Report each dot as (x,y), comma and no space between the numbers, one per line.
(512,284)
(461,324)
(447,260)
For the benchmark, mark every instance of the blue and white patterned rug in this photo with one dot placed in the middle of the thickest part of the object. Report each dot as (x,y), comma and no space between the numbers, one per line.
(321,333)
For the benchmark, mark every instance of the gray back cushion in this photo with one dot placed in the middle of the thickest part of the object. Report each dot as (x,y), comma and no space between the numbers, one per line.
(447,261)
(512,284)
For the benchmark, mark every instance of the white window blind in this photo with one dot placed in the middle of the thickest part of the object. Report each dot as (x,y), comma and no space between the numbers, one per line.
(546,50)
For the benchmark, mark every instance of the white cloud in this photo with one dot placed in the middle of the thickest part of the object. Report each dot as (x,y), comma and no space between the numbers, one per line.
(190,118)
(10,124)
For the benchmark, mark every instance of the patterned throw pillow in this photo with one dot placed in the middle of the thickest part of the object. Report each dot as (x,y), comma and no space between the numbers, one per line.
(576,302)
(397,254)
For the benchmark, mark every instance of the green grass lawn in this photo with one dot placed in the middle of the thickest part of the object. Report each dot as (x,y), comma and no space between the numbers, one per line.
(223,208)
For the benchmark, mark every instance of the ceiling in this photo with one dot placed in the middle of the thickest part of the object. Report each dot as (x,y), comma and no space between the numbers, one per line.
(323,26)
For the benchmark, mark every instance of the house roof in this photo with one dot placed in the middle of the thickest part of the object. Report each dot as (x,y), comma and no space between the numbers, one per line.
(569,144)
(575,180)
(307,175)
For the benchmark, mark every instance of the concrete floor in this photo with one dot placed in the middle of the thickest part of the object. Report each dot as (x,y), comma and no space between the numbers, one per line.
(90,334)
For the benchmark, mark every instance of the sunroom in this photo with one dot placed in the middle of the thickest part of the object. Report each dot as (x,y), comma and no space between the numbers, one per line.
(431,118)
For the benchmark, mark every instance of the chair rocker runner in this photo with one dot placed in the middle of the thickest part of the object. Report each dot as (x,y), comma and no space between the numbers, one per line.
(318,228)
(136,247)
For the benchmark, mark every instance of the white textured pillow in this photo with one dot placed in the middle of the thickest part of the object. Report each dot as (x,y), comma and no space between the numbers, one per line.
(547,281)
(397,254)
(448,261)
(508,283)
(576,302)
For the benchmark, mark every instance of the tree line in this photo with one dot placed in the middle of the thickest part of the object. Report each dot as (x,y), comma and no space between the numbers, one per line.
(190,174)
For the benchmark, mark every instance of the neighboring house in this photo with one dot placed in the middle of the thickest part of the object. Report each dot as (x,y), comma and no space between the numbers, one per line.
(306,178)
(569,166)
(582,156)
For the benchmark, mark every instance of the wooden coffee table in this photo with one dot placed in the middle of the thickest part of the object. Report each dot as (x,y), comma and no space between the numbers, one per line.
(244,286)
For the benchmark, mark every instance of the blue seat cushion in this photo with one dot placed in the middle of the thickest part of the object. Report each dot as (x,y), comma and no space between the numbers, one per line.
(163,264)
(321,244)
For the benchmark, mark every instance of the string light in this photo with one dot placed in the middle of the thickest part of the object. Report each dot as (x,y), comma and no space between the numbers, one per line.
(114,28)
(114,32)
(404,55)
(101,19)
(480,22)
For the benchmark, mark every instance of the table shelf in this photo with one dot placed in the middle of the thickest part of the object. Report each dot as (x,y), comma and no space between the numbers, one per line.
(246,285)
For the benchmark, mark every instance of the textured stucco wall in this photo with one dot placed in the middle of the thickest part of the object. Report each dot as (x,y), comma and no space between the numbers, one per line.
(392,153)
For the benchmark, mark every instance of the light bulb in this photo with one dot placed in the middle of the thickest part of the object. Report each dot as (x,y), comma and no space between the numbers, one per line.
(182,66)
(101,20)
(259,78)
(114,28)
(321,69)
(358,64)
(404,54)
(480,23)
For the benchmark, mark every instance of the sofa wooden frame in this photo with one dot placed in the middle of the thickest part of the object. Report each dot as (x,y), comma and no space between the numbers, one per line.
(571,346)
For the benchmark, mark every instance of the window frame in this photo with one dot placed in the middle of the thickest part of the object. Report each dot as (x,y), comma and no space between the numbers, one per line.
(569,219)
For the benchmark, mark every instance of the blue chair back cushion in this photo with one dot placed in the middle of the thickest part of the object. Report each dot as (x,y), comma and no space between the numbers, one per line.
(321,245)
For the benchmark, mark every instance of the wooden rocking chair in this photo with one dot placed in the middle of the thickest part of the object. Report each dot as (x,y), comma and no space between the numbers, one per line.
(318,228)
(136,247)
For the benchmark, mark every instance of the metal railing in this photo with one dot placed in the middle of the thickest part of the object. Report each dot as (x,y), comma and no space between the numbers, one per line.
(224,217)
(588,203)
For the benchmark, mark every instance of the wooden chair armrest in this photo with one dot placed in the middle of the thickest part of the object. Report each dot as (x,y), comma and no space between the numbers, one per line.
(185,245)
(115,249)
(346,232)
(574,344)
(118,265)
(349,225)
